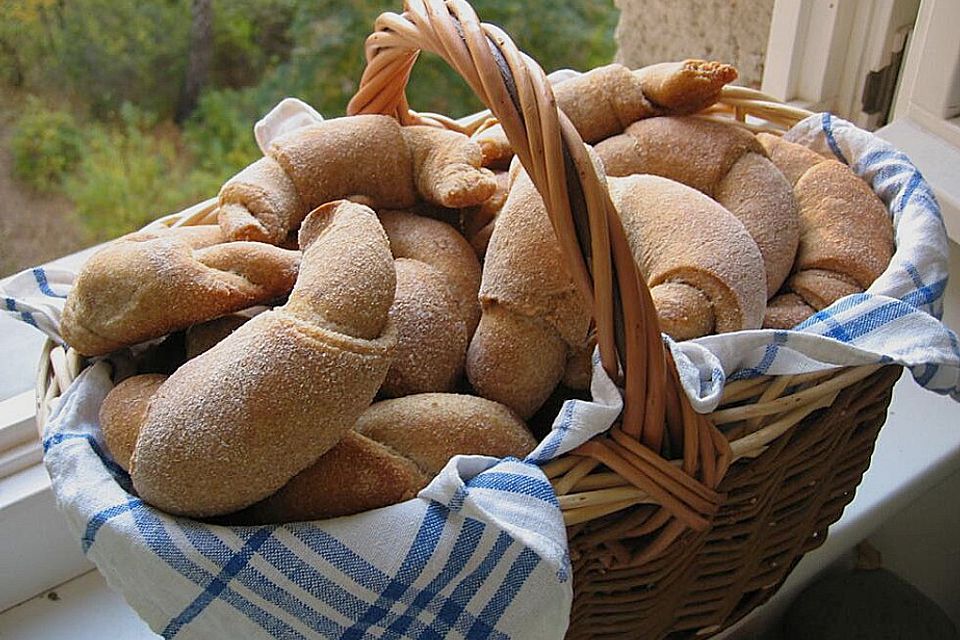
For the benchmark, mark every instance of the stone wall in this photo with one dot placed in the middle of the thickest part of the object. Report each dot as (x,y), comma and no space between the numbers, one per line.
(732,31)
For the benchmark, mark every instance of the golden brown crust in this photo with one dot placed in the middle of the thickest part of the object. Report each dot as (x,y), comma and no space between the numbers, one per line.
(603,101)
(792,159)
(846,236)
(786,311)
(515,359)
(524,270)
(819,288)
(685,87)
(680,235)
(122,414)
(367,156)
(442,247)
(259,203)
(684,311)
(148,284)
(724,162)
(232,426)
(431,334)
(431,428)
(844,227)
(356,475)
(446,167)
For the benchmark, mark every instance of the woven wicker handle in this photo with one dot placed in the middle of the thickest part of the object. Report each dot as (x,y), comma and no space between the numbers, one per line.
(591,237)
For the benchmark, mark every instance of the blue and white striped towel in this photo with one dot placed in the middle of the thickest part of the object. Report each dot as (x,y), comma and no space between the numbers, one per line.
(482,551)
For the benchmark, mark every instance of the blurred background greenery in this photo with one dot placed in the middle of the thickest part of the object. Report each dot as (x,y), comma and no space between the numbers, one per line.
(130,109)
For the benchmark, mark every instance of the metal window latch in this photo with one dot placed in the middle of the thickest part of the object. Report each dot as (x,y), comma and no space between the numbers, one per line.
(880,86)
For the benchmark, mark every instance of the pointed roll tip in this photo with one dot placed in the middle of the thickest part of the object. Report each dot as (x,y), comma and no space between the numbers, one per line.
(718,73)
(321,217)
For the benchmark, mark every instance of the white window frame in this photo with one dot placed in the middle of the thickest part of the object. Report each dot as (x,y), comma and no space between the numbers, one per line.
(819,55)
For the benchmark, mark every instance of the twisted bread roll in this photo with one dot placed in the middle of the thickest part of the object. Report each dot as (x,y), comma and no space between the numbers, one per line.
(148,284)
(846,235)
(233,425)
(397,447)
(603,101)
(368,155)
(724,162)
(704,270)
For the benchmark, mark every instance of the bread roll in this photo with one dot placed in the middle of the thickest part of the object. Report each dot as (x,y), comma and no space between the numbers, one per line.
(122,414)
(397,447)
(369,156)
(846,234)
(148,284)
(358,474)
(603,101)
(680,236)
(724,162)
(532,312)
(431,334)
(442,247)
(233,425)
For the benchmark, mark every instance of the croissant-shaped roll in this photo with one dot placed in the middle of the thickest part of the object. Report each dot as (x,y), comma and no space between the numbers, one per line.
(603,101)
(846,235)
(396,448)
(532,312)
(234,424)
(681,237)
(148,284)
(704,270)
(368,156)
(726,163)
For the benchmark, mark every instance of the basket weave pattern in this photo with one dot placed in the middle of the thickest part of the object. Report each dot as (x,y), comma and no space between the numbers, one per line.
(660,546)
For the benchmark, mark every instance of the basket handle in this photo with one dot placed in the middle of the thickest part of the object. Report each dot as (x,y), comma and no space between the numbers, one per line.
(591,237)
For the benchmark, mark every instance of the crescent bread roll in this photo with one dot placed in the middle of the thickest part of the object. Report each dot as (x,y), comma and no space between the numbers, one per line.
(431,334)
(724,162)
(532,313)
(356,475)
(122,414)
(846,235)
(602,102)
(233,425)
(397,447)
(367,156)
(679,235)
(431,428)
(786,311)
(148,284)
(442,247)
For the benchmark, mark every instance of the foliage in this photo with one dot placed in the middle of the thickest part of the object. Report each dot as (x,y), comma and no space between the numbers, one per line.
(46,146)
(131,174)
(119,65)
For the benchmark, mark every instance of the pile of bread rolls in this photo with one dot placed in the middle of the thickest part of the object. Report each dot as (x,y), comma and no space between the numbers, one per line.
(376,299)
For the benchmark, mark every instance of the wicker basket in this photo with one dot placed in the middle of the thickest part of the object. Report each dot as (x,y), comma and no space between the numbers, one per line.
(660,547)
